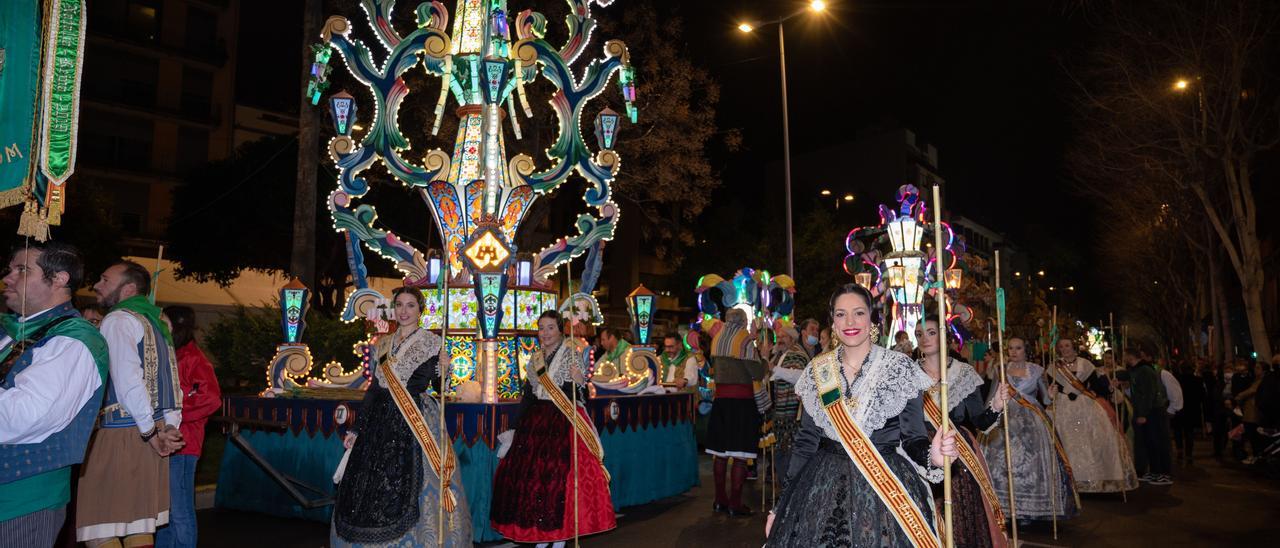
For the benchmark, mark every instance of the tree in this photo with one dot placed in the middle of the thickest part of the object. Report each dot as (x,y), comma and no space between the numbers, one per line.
(1179,100)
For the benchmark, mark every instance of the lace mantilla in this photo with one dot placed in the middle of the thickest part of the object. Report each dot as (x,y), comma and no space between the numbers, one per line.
(560,369)
(963,380)
(415,350)
(888,381)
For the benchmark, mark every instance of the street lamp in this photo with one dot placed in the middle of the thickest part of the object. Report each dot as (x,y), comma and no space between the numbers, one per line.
(1181,84)
(825,192)
(815,6)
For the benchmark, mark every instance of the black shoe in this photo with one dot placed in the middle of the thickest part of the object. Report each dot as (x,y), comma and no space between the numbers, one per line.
(741,512)
(720,509)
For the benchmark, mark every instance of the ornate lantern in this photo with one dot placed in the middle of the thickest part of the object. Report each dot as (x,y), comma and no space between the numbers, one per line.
(640,306)
(342,110)
(863,279)
(607,123)
(953,277)
(293,310)
(897,276)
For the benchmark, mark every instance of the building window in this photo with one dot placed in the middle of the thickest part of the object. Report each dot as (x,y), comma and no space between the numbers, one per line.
(193,148)
(115,140)
(197,92)
(116,76)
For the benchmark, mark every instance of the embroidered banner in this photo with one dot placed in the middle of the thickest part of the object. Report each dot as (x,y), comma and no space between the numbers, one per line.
(19,93)
(63,58)
(970,458)
(871,463)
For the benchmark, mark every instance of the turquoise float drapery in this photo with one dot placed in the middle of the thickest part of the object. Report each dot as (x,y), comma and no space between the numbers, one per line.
(647,462)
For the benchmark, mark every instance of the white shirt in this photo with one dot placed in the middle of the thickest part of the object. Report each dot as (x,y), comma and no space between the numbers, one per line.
(123,333)
(47,395)
(1173,389)
(690,373)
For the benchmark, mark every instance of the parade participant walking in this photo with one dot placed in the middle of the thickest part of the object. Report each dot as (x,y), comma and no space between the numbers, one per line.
(679,366)
(733,428)
(978,517)
(1042,481)
(123,489)
(784,372)
(201,398)
(863,419)
(1151,425)
(53,372)
(540,484)
(1087,424)
(390,493)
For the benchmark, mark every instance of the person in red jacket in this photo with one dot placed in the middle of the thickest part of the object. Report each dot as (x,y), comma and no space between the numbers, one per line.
(201,398)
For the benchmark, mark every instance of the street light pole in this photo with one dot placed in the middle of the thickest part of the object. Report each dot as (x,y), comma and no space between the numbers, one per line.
(786,153)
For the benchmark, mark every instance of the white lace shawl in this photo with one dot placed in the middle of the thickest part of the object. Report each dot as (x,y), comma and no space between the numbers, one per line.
(560,369)
(888,381)
(416,349)
(962,380)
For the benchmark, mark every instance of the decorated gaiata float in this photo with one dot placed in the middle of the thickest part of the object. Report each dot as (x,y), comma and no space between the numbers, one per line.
(482,295)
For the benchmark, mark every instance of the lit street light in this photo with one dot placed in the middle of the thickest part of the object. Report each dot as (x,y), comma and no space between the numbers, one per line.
(815,6)
(1181,84)
(825,192)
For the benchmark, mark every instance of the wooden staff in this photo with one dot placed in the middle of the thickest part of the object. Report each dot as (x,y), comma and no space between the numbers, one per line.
(1053,360)
(1115,362)
(444,386)
(155,276)
(1008,447)
(573,449)
(942,357)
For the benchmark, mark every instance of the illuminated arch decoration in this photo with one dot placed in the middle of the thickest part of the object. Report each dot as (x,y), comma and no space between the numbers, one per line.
(888,260)
(761,295)
(484,61)
(484,69)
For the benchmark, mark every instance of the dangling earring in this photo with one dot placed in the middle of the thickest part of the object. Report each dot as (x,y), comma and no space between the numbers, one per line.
(875,333)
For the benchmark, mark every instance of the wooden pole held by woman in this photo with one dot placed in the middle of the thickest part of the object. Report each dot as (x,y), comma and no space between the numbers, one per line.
(1008,448)
(941,297)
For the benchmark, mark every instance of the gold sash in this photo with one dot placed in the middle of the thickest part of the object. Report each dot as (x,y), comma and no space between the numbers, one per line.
(970,458)
(869,461)
(562,403)
(442,462)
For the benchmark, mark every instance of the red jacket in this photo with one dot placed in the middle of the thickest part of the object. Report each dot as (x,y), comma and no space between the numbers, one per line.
(201,396)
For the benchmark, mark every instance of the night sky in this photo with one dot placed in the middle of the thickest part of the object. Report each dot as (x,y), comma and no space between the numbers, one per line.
(983,81)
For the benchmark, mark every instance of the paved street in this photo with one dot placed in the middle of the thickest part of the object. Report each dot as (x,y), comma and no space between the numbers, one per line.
(1209,505)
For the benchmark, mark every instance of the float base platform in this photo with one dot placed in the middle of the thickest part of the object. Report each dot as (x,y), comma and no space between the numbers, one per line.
(648,441)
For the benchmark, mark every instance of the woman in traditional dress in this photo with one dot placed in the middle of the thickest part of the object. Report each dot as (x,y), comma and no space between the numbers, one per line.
(1042,482)
(390,493)
(733,428)
(1090,431)
(978,519)
(863,417)
(539,485)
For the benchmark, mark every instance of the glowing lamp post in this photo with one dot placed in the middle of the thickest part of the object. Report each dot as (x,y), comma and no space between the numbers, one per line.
(640,306)
(487,254)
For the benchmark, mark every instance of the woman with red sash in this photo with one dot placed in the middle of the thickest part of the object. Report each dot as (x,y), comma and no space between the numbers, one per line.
(862,458)
(978,519)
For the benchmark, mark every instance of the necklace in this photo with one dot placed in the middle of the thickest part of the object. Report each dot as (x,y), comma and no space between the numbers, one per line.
(396,343)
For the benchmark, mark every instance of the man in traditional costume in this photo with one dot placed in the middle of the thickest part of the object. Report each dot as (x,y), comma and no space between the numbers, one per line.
(124,484)
(784,372)
(1088,426)
(679,366)
(733,429)
(614,360)
(52,376)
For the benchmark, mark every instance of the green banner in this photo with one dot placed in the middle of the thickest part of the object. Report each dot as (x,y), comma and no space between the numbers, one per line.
(64,52)
(19,93)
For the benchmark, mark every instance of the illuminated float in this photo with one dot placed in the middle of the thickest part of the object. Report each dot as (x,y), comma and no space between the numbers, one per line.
(481,293)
